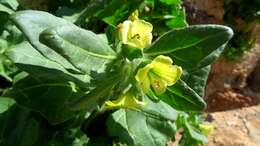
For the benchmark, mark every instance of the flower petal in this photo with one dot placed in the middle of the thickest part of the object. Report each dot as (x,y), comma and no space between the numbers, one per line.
(127,100)
(141,27)
(124,30)
(163,67)
(143,79)
(159,85)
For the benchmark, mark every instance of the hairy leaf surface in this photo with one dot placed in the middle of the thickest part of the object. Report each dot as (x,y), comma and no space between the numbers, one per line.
(32,23)
(192,47)
(153,125)
(82,48)
(180,96)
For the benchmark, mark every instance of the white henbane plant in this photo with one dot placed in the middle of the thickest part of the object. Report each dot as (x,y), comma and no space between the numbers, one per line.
(141,91)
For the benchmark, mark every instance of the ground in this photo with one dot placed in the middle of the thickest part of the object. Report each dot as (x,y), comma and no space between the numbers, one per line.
(239,127)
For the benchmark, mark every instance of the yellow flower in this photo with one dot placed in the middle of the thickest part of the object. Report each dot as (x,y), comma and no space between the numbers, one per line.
(159,74)
(206,129)
(135,32)
(127,100)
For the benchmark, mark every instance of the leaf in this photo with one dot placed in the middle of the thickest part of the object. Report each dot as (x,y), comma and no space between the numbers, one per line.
(50,98)
(16,126)
(151,125)
(30,60)
(99,94)
(10,37)
(159,109)
(69,137)
(192,47)
(101,9)
(122,9)
(6,67)
(170,2)
(82,48)
(32,23)
(5,104)
(194,134)
(70,14)
(191,134)
(5,9)
(178,20)
(21,127)
(197,79)
(180,96)
(11,3)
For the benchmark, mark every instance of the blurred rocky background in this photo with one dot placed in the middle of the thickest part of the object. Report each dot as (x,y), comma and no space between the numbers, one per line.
(233,87)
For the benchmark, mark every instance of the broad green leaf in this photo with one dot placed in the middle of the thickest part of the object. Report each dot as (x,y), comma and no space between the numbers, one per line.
(192,47)
(180,96)
(18,128)
(32,130)
(32,23)
(5,9)
(197,79)
(137,128)
(170,2)
(152,115)
(30,60)
(50,98)
(82,48)
(159,109)
(5,104)
(11,3)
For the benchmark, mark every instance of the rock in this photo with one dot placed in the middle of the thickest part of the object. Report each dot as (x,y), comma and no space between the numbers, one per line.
(254,79)
(238,130)
(228,99)
(233,130)
(204,11)
(236,79)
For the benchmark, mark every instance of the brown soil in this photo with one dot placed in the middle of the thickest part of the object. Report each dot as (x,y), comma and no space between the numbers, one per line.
(239,127)
(234,84)
(227,100)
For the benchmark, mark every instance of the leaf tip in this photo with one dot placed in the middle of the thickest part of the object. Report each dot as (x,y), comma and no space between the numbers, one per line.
(229,32)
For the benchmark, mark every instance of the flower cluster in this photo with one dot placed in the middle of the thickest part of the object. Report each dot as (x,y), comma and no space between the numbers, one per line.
(154,77)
